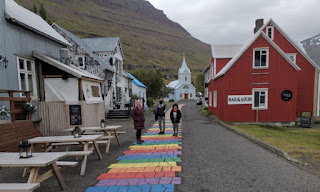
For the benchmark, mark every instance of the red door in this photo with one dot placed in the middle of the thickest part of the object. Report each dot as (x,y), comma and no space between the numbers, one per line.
(186,96)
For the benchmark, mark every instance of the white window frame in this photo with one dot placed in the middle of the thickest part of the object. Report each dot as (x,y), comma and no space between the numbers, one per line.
(34,95)
(267,58)
(210,99)
(272,31)
(83,60)
(214,67)
(215,97)
(294,57)
(266,98)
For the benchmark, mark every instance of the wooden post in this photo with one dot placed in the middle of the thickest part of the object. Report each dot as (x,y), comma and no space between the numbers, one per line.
(41,83)
(13,115)
(28,100)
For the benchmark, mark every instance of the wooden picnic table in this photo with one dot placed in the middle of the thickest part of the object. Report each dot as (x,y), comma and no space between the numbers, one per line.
(34,164)
(106,130)
(84,139)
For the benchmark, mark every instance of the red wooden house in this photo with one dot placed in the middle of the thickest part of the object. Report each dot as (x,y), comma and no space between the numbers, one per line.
(269,79)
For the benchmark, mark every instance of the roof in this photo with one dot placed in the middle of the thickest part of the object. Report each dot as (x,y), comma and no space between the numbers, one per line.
(248,43)
(31,21)
(296,45)
(184,65)
(107,44)
(126,74)
(71,69)
(81,43)
(225,51)
(173,84)
(137,82)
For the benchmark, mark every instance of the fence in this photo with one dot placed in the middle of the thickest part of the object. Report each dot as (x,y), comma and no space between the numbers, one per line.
(55,116)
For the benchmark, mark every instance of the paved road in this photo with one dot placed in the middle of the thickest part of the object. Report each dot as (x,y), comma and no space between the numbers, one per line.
(215,159)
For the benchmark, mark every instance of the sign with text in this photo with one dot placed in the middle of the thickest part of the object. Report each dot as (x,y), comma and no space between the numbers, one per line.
(286,95)
(239,99)
(75,115)
(305,120)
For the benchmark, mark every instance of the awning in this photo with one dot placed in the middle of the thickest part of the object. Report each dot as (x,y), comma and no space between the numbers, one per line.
(72,70)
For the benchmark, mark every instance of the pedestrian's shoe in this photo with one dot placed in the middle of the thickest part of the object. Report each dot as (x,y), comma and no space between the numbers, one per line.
(138,142)
(141,140)
(162,132)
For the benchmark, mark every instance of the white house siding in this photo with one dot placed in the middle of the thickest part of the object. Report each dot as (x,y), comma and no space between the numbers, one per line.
(140,92)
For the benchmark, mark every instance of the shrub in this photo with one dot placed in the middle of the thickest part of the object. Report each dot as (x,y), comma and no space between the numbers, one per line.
(150,102)
(171,100)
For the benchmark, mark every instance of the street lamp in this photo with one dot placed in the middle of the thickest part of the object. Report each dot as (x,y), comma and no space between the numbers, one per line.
(4,61)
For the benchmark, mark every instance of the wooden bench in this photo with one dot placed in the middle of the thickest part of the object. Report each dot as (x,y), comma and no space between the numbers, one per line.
(78,153)
(120,132)
(67,163)
(18,187)
(63,144)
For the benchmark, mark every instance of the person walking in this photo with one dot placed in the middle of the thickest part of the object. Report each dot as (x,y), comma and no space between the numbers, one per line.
(161,115)
(175,116)
(138,118)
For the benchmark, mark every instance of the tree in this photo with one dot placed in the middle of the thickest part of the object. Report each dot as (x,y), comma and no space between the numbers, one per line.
(152,79)
(43,12)
(200,83)
(35,9)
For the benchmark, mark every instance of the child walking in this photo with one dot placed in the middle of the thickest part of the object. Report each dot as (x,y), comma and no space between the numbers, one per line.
(175,116)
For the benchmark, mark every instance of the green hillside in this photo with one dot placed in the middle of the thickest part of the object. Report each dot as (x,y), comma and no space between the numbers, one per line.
(149,39)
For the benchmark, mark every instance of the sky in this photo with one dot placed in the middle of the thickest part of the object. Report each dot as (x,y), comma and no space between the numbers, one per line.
(232,21)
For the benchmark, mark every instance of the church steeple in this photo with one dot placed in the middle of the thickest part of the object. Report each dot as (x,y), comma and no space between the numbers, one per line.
(184,72)
(184,65)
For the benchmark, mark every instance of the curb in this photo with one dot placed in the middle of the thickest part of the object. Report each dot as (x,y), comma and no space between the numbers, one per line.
(271,148)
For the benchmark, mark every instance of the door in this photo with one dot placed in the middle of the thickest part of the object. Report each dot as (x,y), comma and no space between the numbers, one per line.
(186,96)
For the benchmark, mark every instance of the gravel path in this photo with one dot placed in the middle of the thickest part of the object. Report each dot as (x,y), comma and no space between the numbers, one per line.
(215,159)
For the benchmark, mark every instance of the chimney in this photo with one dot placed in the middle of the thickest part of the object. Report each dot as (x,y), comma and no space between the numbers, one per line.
(259,24)
(64,56)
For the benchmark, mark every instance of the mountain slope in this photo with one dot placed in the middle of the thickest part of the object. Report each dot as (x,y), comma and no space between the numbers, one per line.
(149,38)
(312,47)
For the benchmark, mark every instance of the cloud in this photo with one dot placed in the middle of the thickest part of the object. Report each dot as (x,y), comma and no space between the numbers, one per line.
(232,22)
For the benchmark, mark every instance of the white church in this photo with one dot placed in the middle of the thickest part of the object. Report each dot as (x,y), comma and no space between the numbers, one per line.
(183,89)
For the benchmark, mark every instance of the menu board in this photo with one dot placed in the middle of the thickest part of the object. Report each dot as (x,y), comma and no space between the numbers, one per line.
(75,114)
(305,119)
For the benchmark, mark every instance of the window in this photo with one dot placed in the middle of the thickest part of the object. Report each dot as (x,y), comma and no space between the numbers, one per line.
(180,95)
(27,78)
(215,99)
(185,87)
(292,57)
(81,60)
(260,98)
(190,95)
(186,78)
(210,99)
(260,58)
(269,31)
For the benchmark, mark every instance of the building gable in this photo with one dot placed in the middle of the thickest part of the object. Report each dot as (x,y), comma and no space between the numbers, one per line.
(287,45)
(245,48)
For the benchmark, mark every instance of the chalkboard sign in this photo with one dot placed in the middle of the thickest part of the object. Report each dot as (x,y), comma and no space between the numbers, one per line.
(305,121)
(75,115)
(286,95)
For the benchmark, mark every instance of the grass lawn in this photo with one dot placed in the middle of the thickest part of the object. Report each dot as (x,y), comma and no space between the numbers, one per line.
(300,143)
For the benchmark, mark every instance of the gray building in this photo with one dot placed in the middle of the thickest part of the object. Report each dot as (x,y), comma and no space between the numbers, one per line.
(21,33)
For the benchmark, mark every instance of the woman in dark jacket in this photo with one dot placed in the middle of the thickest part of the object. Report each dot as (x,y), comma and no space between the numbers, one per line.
(175,116)
(138,117)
